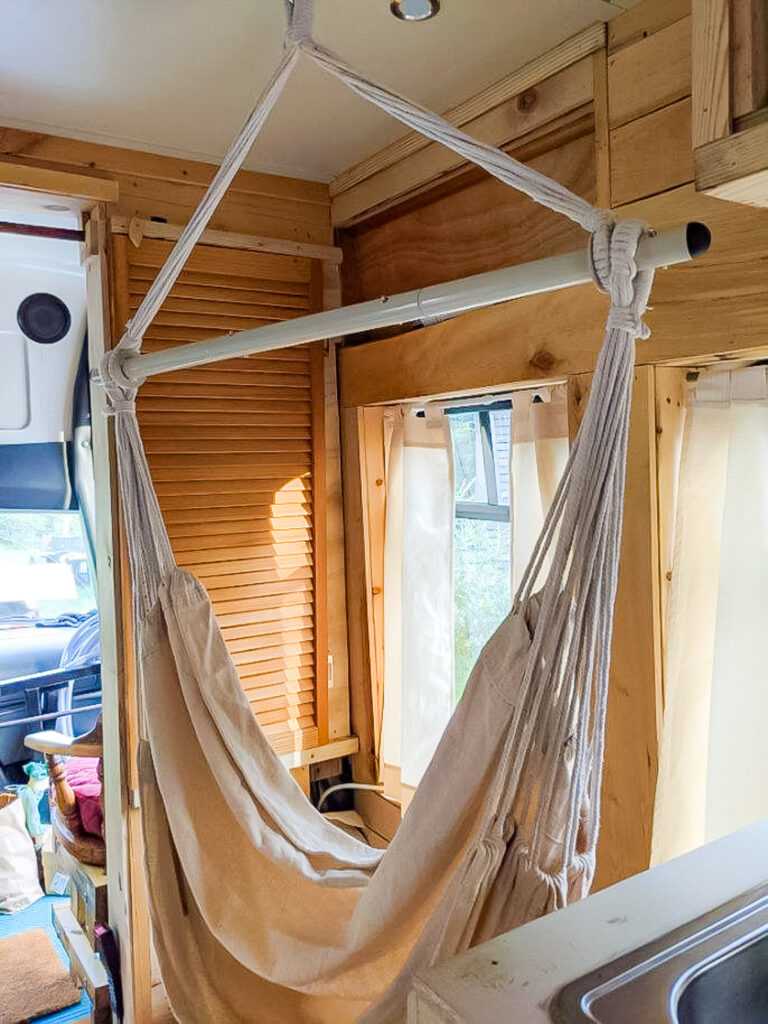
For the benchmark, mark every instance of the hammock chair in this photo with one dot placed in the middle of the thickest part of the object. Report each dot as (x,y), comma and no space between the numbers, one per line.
(261,909)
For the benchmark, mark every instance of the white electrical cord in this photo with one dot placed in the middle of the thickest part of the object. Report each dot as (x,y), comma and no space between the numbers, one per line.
(348,785)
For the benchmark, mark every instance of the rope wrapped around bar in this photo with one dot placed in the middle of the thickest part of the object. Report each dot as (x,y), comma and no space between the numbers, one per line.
(262,910)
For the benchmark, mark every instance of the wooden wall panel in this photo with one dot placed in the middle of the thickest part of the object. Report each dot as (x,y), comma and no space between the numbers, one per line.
(169,189)
(643,20)
(602,131)
(649,105)
(710,308)
(476,228)
(235,450)
(650,74)
(652,154)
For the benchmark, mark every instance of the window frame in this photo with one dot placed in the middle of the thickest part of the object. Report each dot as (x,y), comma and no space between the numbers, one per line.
(490,510)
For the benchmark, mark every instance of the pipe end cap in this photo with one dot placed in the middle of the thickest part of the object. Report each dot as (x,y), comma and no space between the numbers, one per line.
(698,237)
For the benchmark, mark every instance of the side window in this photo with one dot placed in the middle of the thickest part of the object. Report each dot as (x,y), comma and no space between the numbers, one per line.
(509,456)
(44,571)
(482,540)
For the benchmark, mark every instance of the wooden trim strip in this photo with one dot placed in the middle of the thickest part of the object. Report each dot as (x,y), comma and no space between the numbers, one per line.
(40,179)
(320,540)
(137,229)
(732,158)
(602,129)
(325,752)
(572,50)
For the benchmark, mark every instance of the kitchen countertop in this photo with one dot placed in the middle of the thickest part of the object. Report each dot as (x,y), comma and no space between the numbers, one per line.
(512,978)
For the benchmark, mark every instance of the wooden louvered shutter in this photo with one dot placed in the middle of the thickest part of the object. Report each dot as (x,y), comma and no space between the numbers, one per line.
(233,448)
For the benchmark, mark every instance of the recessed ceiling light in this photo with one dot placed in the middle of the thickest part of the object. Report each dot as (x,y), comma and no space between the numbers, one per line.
(56,207)
(414,10)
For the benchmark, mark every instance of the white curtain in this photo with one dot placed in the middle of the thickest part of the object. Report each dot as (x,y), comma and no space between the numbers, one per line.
(713,769)
(418,594)
(538,454)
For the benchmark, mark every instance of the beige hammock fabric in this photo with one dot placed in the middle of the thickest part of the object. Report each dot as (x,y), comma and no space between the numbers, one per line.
(263,911)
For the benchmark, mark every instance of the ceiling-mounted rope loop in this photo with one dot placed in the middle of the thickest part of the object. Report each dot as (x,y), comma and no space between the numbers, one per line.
(300,16)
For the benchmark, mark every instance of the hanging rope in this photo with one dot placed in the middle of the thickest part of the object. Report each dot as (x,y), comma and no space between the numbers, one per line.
(190,236)
(537,186)
(298,38)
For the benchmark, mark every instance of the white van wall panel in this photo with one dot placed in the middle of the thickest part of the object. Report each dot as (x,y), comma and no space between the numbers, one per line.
(14,382)
(37,381)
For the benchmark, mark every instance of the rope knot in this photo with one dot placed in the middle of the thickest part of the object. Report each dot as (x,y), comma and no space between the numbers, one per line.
(119,388)
(613,249)
(119,405)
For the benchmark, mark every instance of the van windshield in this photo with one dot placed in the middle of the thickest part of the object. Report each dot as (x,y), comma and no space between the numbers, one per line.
(45,576)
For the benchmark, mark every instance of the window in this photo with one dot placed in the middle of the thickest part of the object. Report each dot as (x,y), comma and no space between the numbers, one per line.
(449,542)
(480,438)
(45,576)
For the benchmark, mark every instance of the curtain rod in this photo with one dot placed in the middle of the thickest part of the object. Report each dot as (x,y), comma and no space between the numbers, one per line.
(8,227)
(661,249)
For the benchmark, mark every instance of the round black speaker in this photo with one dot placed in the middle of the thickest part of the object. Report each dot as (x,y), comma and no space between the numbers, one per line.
(44,318)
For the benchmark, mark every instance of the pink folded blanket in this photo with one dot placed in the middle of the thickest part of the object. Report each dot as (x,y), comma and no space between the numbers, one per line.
(83,777)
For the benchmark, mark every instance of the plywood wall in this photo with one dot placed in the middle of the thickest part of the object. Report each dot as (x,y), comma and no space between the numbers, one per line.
(477,225)
(649,103)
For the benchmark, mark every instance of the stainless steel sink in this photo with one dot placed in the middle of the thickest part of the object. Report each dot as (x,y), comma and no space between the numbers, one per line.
(713,970)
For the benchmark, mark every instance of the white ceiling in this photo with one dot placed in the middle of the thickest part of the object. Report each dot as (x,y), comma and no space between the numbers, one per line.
(179,76)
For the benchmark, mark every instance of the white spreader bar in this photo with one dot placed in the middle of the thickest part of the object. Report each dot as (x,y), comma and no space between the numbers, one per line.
(660,249)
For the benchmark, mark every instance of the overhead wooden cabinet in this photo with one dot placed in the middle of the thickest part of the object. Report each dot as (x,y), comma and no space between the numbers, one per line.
(234,449)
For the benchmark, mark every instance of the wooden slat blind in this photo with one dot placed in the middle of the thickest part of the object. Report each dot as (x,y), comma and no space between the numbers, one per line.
(233,448)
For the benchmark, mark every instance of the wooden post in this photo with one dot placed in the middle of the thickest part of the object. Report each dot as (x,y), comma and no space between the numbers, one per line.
(670,421)
(301,774)
(749,56)
(364,474)
(711,75)
(634,702)
(602,130)
(319,524)
(128,914)
(338,658)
